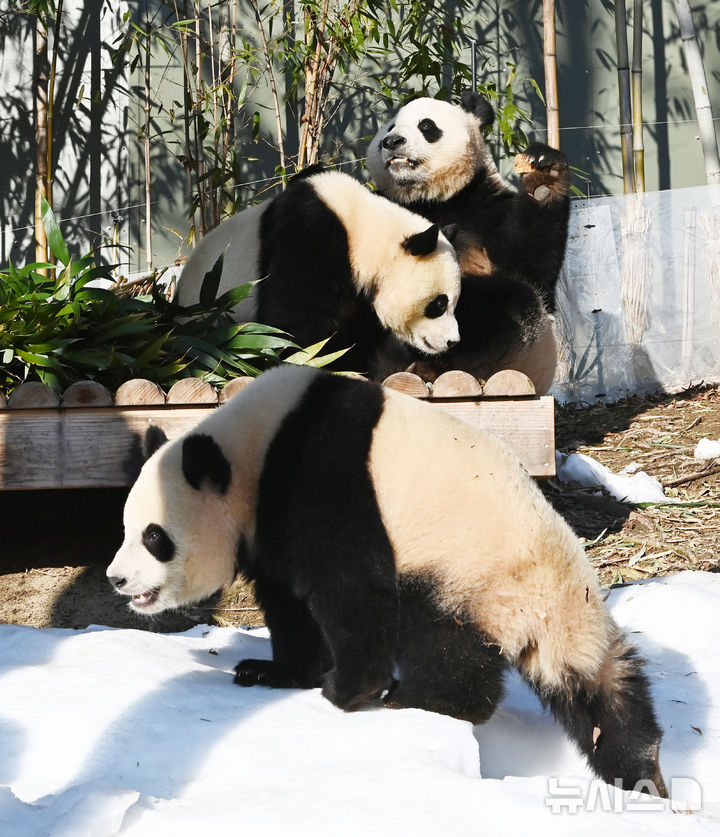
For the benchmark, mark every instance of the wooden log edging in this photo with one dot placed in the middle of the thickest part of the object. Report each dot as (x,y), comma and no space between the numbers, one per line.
(90,438)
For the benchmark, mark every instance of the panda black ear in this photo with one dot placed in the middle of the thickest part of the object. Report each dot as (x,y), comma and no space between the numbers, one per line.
(308,171)
(477,105)
(202,459)
(423,243)
(154,439)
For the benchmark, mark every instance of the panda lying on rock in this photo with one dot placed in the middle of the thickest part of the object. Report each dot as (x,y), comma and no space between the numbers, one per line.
(432,158)
(399,556)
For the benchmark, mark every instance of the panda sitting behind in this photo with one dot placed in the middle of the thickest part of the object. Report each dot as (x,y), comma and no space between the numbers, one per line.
(336,261)
(396,551)
(432,158)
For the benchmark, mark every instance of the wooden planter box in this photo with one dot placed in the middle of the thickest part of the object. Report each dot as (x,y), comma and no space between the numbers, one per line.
(91,439)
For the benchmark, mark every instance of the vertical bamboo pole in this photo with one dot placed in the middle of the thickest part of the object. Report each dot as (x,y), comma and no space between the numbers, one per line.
(638,144)
(198,95)
(703,108)
(51,104)
(213,48)
(550,60)
(228,101)
(187,118)
(41,99)
(273,86)
(623,69)
(146,146)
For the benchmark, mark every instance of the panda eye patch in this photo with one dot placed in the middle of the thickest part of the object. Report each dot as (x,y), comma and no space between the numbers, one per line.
(429,130)
(436,307)
(158,543)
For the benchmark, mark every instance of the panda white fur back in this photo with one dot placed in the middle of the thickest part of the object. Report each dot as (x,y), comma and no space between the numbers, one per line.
(330,253)
(383,533)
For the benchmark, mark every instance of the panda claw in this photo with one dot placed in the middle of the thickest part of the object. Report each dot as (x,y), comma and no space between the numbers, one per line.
(258,673)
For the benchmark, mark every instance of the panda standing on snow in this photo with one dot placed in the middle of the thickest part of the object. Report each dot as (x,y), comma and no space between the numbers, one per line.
(432,158)
(399,555)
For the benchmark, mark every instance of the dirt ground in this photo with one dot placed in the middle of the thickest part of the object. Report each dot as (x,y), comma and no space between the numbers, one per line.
(55,545)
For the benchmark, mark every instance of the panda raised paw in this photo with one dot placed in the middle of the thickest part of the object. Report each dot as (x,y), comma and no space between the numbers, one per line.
(544,172)
(541,157)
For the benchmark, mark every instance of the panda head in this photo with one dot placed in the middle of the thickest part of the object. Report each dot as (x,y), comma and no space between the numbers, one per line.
(418,305)
(431,149)
(180,543)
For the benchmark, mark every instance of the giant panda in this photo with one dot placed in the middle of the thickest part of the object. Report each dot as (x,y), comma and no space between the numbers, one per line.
(335,259)
(399,554)
(432,158)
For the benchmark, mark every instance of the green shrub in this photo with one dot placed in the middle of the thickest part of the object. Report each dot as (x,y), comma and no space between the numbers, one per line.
(57,328)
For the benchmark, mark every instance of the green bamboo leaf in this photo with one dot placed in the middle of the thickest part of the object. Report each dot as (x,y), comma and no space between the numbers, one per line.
(235,295)
(325,360)
(259,341)
(151,351)
(537,89)
(54,236)
(91,358)
(38,360)
(211,282)
(308,353)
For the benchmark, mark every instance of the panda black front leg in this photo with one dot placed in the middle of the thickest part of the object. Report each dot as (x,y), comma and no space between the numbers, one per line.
(300,654)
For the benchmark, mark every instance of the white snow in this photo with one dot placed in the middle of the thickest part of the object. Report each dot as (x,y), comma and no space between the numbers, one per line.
(628,486)
(119,732)
(707,449)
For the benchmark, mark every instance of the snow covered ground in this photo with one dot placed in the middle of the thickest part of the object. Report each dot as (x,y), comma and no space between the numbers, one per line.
(106,732)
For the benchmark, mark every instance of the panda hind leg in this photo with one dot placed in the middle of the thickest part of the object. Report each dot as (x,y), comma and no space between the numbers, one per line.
(611,719)
(445,664)
(300,654)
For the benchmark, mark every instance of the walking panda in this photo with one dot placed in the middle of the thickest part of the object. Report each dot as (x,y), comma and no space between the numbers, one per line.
(335,259)
(432,158)
(398,553)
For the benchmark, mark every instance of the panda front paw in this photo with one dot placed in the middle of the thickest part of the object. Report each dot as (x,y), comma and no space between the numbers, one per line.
(262,673)
(544,172)
(541,157)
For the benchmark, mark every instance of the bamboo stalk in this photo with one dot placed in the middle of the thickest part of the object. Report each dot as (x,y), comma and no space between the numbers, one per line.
(41,95)
(623,69)
(199,152)
(550,60)
(51,104)
(187,116)
(228,99)
(698,80)
(273,86)
(146,145)
(638,143)
(213,193)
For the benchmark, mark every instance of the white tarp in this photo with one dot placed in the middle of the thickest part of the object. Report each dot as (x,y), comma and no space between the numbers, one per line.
(639,297)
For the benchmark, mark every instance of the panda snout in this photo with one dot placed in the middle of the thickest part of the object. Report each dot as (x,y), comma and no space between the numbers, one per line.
(451,343)
(117,581)
(391,142)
